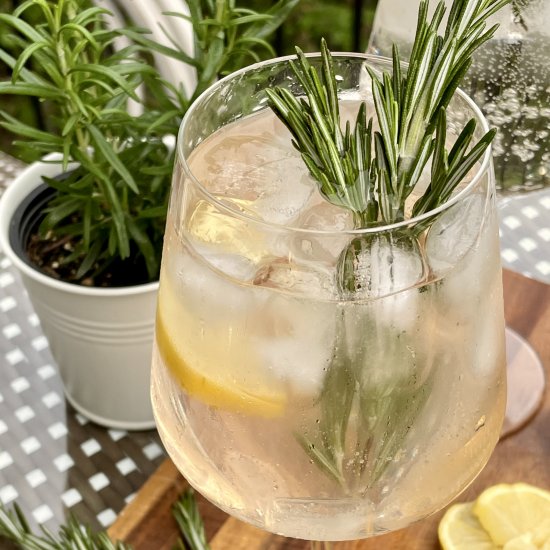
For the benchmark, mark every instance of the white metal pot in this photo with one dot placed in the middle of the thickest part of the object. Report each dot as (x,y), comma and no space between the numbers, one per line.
(101,338)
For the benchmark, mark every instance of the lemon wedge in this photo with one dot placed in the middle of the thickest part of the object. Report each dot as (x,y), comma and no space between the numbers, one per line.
(227,377)
(460,530)
(510,511)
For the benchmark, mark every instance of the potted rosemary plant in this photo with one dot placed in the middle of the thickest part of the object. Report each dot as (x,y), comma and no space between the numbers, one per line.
(85,223)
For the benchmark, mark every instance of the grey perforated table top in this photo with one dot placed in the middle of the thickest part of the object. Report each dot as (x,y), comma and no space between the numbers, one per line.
(54,462)
(525,234)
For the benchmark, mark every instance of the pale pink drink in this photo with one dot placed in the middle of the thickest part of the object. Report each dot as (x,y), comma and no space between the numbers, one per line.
(292,403)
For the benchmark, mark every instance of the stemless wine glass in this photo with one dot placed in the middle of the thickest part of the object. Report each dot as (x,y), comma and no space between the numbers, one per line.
(290,398)
(510,81)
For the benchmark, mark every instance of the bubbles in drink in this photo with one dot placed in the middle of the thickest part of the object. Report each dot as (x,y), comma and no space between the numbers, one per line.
(510,81)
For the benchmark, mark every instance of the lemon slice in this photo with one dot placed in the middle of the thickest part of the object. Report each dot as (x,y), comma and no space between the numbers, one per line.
(510,511)
(460,530)
(226,377)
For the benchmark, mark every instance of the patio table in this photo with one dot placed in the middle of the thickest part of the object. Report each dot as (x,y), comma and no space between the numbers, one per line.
(54,462)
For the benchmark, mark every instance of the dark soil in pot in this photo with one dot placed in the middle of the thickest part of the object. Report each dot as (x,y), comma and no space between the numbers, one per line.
(49,255)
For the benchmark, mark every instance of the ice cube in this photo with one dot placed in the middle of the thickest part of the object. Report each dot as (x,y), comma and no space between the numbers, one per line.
(284,189)
(245,162)
(320,215)
(299,359)
(227,242)
(203,285)
(226,157)
(325,216)
(233,265)
(462,248)
(374,266)
(489,339)
(384,269)
(379,336)
(300,279)
(454,233)
(296,335)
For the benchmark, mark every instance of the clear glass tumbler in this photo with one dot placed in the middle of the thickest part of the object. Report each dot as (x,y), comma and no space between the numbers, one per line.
(291,399)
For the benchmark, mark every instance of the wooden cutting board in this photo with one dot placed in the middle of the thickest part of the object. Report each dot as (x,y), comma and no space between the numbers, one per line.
(147,523)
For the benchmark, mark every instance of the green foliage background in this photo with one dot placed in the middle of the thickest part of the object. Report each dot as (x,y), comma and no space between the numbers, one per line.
(336,20)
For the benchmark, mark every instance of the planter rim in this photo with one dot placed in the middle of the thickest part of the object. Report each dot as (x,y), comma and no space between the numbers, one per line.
(10,199)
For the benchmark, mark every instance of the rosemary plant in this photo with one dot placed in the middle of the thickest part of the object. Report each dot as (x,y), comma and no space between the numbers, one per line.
(226,37)
(112,207)
(372,173)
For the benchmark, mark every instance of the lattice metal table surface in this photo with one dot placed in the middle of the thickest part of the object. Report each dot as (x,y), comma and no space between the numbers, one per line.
(525,234)
(53,461)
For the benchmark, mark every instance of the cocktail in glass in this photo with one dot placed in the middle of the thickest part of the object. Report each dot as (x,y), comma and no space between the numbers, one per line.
(307,403)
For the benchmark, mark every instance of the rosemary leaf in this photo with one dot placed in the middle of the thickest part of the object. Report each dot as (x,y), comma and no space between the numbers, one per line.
(187,515)
(408,111)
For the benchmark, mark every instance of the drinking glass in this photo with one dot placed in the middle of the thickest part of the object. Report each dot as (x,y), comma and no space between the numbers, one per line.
(510,81)
(298,401)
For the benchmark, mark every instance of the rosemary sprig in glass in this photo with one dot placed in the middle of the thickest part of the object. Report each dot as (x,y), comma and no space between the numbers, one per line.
(372,173)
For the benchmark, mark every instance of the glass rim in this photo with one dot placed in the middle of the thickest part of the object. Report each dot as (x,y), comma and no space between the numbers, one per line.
(484,165)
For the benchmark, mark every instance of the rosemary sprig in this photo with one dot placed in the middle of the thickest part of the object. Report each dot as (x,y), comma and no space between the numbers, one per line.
(340,162)
(15,528)
(372,174)
(187,515)
(409,108)
(448,170)
(328,451)
(72,536)
(517,8)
